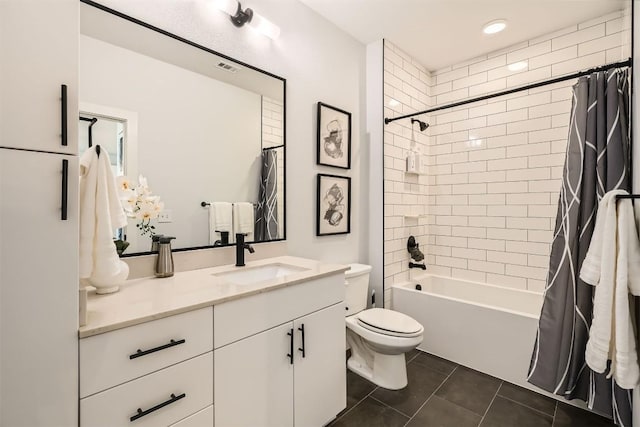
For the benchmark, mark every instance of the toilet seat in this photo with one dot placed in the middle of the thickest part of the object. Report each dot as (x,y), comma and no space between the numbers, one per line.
(389,322)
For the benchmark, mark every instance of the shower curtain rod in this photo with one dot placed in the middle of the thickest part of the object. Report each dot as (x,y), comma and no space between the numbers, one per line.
(626,63)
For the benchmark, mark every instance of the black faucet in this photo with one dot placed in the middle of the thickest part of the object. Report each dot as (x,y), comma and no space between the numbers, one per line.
(240,247)
(417,265)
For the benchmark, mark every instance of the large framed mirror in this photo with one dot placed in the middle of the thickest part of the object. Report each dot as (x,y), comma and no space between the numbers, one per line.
(197,139)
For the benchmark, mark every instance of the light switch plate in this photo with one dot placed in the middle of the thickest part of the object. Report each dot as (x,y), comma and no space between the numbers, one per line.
(165,216)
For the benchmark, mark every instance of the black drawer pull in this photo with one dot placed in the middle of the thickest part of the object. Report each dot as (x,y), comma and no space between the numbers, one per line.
(65,189)
(142,413)
(290,354)
(63,104)
(301,329)
(140,353)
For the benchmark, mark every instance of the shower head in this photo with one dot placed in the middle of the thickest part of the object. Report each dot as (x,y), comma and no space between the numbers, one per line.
(423,125)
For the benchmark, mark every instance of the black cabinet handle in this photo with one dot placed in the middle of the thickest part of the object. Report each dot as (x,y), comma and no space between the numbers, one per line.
(301,329)
(63,104)
(140,353)
(65,189)
(142,413)
(290,354)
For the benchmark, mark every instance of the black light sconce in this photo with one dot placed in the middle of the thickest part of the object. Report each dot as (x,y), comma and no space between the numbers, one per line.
(242,16)
(239,17)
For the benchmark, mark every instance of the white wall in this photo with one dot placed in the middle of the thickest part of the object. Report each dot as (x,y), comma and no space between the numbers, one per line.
(320,63)
(374,190)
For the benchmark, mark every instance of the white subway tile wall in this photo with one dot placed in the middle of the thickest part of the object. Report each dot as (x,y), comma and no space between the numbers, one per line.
(484,207)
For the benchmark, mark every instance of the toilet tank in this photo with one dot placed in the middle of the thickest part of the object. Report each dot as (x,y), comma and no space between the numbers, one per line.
(356,281)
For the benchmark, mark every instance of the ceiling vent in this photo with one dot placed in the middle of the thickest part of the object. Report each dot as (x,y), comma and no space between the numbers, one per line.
(227,67)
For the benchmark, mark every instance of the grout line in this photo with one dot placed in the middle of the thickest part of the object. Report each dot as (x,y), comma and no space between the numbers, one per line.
(391,407)
(492,400)
(529,407)
(555,411)
(358,403)
(432,394)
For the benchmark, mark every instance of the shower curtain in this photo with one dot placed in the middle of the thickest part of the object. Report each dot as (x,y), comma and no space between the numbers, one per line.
(597,162)
(267,211)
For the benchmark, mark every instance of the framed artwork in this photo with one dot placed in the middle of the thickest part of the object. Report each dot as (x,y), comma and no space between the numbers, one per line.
(333,205)
(334,137)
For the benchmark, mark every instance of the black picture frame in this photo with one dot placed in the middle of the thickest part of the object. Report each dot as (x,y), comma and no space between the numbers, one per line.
(331,135)
(333,205)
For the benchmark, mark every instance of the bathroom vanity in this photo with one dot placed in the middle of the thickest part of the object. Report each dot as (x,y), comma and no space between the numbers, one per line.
(261,345)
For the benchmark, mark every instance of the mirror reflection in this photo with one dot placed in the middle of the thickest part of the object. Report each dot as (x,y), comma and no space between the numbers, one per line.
(196,139)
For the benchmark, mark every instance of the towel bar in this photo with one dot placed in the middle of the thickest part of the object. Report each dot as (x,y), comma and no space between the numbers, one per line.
(205,204)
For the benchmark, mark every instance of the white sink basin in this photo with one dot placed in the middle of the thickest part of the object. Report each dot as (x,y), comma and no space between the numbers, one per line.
(250,275)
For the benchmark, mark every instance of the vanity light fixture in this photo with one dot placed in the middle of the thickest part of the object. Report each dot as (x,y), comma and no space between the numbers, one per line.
(247,16)
(494,26)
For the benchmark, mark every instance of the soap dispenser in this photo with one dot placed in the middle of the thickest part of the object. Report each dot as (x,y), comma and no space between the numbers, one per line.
(164,262)
(155,242)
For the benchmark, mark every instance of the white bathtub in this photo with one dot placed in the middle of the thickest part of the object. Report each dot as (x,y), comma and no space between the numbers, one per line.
(488,328)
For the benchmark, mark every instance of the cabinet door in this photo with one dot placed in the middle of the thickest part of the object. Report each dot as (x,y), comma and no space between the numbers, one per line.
(38,290)
(39,51)
(253,381)
(320,376)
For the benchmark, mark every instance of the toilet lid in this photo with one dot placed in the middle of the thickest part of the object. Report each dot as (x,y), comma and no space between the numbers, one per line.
(389,322)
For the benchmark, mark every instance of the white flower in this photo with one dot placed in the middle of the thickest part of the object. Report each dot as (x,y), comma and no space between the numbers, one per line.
(145,213)
(124,184)
(139,203)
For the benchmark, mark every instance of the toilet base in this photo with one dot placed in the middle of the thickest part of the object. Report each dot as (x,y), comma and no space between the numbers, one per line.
(388,371)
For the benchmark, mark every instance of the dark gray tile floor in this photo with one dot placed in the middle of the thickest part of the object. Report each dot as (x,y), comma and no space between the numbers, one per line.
(443,394)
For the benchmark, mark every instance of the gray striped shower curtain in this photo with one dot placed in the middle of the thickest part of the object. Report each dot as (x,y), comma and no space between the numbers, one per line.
(597,162)
(267,212)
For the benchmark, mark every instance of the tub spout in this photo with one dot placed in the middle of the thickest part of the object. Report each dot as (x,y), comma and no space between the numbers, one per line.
(417,265)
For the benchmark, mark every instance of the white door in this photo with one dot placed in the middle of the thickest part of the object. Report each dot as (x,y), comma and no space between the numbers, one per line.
(38,290)
(320,375)
(39,51)
(253,381)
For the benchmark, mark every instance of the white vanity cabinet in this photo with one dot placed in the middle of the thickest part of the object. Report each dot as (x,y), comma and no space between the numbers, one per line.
(158,373)
(39,51)
(266,374)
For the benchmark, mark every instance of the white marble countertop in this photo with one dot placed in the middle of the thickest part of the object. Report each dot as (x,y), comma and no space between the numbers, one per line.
(142,300)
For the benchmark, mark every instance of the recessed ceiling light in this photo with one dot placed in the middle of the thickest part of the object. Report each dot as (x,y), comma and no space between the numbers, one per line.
(517,66)
(494,26)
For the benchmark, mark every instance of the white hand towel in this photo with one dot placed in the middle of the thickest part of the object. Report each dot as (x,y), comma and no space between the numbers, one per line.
(100,214)
(612,265)
(243,219)
(220,219)
(598,269)
(624,364)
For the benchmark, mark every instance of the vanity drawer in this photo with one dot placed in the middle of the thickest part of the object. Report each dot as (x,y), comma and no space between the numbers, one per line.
(113,358)
(199,419)
(243,317)
(115,407)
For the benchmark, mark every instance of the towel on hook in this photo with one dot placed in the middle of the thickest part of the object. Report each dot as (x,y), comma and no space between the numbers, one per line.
(612,265)
(101,214)
(243,219)
(220,219)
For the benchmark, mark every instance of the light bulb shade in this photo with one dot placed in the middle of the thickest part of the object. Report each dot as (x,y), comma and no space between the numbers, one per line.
(494,27)
(264,26)
(230,7)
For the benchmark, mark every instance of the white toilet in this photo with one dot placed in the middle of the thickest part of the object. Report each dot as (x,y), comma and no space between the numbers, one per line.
(378,337)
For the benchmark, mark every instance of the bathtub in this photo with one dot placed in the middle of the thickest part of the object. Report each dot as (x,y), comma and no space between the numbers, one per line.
(488,328)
